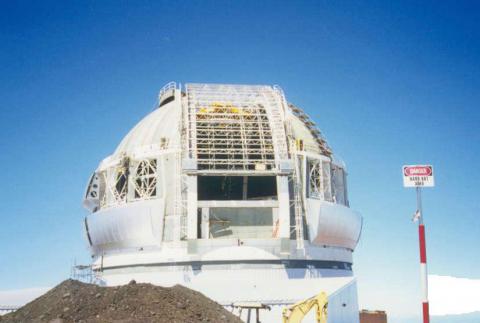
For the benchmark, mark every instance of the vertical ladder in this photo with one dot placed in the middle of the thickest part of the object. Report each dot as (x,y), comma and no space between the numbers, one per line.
(179,203)
(297,198)
(296,176)
(191,123)
(277,123)
(179,214)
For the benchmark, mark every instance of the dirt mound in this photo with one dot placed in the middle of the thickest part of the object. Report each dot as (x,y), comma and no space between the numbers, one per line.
(73,301)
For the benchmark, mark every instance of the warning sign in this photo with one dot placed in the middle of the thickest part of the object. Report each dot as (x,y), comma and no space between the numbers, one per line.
(418,176)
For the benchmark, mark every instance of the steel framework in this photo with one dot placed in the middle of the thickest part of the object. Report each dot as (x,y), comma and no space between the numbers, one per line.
(137,176)
(235,127)
(320,180)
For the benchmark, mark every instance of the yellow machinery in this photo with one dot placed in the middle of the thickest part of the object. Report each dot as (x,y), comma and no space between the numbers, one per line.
(296,312)
(219,107)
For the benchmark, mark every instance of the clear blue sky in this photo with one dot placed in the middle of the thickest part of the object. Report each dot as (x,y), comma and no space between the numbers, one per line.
(388,84)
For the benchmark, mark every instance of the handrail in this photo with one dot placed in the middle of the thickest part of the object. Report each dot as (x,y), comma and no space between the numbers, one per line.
(167,87)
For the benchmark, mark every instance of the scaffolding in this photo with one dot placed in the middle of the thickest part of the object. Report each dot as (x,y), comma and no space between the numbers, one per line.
(235,127)
(83,273)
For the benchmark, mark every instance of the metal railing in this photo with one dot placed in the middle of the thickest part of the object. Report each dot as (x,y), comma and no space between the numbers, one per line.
(170,86)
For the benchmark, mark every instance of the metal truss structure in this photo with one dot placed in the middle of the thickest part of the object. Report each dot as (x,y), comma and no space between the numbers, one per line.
(320,180)
(83,273)
(130,180)
(235,127)
(116,182)
(144,180)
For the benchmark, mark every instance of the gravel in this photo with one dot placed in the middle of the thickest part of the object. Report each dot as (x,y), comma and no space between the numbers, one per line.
(74,301)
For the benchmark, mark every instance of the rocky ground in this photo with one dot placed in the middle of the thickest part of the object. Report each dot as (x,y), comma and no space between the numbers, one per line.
(73,301)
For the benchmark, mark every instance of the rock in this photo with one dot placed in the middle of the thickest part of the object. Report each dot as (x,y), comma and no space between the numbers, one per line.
(181,305)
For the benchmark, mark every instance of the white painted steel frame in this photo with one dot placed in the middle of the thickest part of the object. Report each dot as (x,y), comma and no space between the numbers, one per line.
(235,127)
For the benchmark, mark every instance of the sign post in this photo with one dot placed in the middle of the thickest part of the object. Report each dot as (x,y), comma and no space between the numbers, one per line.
(419,176)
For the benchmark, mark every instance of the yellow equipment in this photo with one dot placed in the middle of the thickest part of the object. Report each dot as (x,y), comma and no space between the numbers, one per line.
(296,312)
(219,107)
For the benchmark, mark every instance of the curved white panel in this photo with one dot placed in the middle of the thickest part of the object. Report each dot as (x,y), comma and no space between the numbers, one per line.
(333,224)
(161,123)
(132,225)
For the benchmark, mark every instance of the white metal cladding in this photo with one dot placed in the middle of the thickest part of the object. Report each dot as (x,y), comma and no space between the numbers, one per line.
(333,224)
(135,225)
(235,127)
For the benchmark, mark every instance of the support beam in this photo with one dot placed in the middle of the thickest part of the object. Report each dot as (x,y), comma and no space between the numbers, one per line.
(283,207)
(192,212)
(205,229)
(245,188)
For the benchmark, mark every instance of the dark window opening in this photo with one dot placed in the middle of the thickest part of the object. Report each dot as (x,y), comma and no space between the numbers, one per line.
(220,187)
(167,100)
(237,188)
(262,187)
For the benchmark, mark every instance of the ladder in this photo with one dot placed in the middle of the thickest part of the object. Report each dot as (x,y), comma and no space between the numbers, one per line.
(179,208)
(191,123)
(296,178)
(298,203)
(277,122)
(179,203)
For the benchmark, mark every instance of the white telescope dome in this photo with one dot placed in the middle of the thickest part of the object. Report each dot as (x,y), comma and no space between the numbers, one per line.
(224,183)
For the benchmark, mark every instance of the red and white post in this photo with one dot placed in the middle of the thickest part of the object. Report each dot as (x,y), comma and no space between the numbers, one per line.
(419,176)
(423,258)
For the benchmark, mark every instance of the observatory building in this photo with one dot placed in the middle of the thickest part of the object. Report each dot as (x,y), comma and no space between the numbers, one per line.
(229,190)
